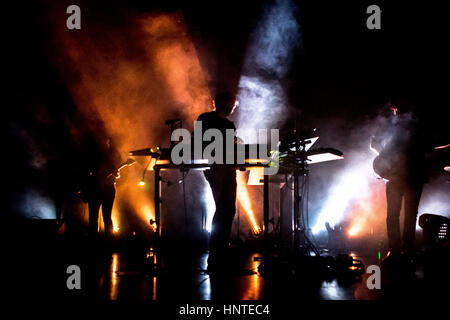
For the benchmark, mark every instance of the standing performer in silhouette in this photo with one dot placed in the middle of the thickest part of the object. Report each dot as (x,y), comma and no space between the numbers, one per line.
(401,146)
(100,187)
(222,180)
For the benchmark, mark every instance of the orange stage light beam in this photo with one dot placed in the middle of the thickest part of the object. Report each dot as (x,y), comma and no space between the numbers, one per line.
(245,202)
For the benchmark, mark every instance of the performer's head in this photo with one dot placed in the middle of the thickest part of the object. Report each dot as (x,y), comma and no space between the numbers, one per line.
(402,102)
(225,103)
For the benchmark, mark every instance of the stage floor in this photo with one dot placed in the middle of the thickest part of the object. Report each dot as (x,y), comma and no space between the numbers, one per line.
(183,278)
(39,270)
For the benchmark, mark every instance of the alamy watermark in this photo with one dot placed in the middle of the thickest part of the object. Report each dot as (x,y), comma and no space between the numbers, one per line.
(74,20)
(74,279)
(374,20)
(374,280)
(225,150)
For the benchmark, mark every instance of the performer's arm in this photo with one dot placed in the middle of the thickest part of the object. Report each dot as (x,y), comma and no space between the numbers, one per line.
(376,143)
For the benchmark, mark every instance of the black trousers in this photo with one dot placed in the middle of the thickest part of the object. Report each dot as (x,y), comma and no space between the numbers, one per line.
(223,184)
(103,197)
(396,191)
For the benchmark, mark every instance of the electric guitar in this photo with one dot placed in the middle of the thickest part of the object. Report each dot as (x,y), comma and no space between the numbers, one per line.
(116,173)
(111,178)
(394,165)
(390,167)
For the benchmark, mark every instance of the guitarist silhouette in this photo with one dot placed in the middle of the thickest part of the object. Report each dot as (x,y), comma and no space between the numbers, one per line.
(401,146)
(102,163)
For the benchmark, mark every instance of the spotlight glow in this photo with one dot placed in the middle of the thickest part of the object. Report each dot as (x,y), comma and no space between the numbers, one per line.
(262,102)
(147,212)
(354,194)
(353,231)
(210,206)
(37,205)
(115,219)
(245,202)
(129,100)
(350,185)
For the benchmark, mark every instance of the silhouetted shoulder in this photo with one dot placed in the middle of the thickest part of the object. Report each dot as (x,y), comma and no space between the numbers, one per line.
(213,120)
(206,116)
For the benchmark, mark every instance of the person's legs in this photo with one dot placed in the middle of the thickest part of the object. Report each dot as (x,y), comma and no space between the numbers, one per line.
(224,191)
(216,242)
(225,212)
(94,207)
(412,199)
(229,204)
(107,205)
(216,189)
(394,192)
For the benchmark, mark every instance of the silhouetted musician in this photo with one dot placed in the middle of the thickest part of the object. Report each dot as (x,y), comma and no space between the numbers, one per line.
(102,162)
(401,145)
(222,180)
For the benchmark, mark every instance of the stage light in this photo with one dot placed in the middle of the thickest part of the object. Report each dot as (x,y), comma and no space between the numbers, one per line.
(351,185)
(146,210)
(245,202)
(153,224)
(115,220)
(142,183)
(352,232)
(150,253)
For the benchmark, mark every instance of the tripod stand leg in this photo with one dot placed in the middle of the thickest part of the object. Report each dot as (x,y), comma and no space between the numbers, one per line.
(296,211)
(266,215)
(301,225)
(157,199)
